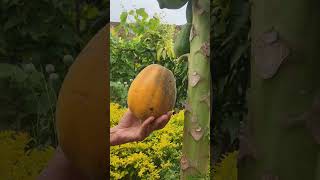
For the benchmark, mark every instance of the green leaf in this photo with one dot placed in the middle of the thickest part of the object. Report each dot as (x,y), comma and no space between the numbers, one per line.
(239,18)
(220,28)
(123,17)
(2,51)
(241,49)
(131,12)
(141,12)
(43,104)
(30,104)
(153,23)
(6,70)
(164,54)
(36,79)
(159,53)
(19,75)
(12,22)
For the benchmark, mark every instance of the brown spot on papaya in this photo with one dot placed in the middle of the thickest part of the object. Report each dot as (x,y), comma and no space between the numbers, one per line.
(152,92)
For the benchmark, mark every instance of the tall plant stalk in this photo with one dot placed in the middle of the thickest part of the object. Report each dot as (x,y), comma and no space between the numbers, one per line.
(282,137)
(196,142)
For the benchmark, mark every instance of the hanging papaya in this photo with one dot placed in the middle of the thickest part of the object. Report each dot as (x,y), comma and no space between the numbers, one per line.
(182,44)
(171,4)
(152,93)
(82,108)
(189,12)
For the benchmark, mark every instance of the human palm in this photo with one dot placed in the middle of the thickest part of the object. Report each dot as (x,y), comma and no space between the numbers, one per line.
(131,128)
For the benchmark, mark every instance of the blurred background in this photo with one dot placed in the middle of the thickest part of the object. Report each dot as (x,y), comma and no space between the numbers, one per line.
(39,40)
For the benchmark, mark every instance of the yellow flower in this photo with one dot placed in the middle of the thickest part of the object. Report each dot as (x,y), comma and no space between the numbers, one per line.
(152,158)
(16,163)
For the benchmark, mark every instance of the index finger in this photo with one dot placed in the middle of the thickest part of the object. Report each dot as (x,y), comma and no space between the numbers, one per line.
(162,121)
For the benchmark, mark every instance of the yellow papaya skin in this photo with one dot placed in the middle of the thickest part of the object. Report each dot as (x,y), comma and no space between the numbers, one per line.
(152,92)
(82,112)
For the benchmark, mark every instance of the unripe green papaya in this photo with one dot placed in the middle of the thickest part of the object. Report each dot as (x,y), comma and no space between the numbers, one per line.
(182,44)
(189,12)
(171,4)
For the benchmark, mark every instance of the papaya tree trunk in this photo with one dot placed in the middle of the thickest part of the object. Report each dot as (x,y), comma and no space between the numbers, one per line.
(196,142)
(281,140)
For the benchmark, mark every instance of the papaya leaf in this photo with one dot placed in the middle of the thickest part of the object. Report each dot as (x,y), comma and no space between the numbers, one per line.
(159,53)
(123,17)
(141,12)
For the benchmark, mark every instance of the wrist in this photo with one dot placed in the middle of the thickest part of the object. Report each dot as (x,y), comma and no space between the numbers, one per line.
(115,137)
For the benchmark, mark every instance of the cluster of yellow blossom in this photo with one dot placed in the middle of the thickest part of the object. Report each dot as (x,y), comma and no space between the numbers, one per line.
(17,162)
(157,157)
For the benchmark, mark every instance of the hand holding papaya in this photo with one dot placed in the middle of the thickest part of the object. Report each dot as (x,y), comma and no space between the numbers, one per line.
(130,129)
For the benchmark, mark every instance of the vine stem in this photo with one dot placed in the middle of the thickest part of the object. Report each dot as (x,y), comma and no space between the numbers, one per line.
(51,108)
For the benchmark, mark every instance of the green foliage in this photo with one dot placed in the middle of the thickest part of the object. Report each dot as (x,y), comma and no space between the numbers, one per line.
(119,92)
(43,31)
(38,43)
(157,157)
(29,97)
(36,31)
(137,44)
(230,67)
(180,72)
(140,22)
(18,161)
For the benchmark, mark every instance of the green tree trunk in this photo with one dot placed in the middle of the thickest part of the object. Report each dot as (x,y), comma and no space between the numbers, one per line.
(282,136)
(196,142)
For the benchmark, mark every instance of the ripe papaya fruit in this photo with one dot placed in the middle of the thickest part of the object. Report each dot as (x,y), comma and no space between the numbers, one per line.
(82,109)
(152,93)
(171,4)
(182,43)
